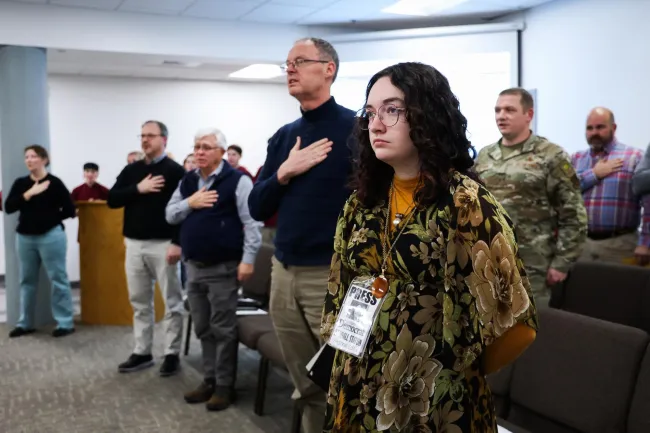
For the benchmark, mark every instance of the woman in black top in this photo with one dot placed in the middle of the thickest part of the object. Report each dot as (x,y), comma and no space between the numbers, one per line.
(44,202)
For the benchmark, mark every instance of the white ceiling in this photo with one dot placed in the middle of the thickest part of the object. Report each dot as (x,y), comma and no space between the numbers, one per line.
(302,12)
(94,63)
(305,12)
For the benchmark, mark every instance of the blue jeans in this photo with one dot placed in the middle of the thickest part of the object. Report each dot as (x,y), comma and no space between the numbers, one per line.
(50,250)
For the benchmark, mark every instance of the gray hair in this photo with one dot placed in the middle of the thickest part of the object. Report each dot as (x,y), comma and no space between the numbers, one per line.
(205,132)
(325,51)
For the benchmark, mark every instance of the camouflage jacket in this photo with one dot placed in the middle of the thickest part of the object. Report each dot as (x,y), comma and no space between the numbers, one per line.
(540,190)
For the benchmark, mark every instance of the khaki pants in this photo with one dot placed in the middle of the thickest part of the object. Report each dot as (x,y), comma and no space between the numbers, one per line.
(297,296)
(612,250)
(146,262)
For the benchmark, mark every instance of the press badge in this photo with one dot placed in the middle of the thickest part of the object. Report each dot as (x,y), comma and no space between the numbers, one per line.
(357,317)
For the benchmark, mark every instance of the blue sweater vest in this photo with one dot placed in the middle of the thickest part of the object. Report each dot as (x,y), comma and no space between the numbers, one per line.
(213,235)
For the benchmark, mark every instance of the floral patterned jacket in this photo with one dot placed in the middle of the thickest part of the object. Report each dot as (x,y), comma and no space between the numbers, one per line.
(456,285)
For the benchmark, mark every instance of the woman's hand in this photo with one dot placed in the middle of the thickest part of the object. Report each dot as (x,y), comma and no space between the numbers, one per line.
(36,189)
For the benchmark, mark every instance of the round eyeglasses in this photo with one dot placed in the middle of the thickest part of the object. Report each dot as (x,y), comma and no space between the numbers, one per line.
(388,116)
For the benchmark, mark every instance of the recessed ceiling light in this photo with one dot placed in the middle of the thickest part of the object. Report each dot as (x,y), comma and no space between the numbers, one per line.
(421,7)
(260,71)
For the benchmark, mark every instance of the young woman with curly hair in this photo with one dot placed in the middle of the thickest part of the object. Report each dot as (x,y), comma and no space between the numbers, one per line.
(442,257)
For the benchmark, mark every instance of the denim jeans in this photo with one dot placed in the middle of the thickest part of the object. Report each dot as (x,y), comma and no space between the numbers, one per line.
(50,250)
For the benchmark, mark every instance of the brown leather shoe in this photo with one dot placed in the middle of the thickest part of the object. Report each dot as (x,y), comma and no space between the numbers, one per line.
(201,394)
(221,399)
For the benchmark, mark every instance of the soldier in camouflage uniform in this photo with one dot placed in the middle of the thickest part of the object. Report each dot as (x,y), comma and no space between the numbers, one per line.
(537,185)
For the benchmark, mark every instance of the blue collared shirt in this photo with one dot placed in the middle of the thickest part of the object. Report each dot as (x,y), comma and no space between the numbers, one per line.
(179,208)
(157,159)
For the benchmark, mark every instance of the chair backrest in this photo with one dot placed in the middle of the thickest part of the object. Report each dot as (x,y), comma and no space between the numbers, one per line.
(500,386)
(578,376)
(638,421)
(259,285)
(616,293)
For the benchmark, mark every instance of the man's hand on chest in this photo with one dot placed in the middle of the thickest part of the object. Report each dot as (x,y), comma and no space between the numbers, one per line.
(151,184)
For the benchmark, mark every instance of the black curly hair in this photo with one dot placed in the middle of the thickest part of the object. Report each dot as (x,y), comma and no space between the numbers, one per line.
(437,129)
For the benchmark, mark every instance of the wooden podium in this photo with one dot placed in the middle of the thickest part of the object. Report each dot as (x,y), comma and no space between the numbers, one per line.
(104,293)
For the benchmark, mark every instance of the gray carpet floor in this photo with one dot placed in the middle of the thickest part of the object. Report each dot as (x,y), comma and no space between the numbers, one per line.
(71,385)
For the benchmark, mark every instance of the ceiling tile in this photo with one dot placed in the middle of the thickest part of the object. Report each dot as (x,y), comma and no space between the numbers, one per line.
(519,4)
(166,7)
(328,16)
(467,7)
(491,6)
(346,11)
(221,9)
(110,5)
(308,3)
(42,2)
(272,13)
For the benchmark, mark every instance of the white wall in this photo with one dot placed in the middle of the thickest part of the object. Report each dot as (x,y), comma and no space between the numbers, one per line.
(444,48)
(584,53)
(98,119)
(479,61)
(475,79)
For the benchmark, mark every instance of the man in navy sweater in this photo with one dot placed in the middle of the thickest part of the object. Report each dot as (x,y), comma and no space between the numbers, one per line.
(304,179)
